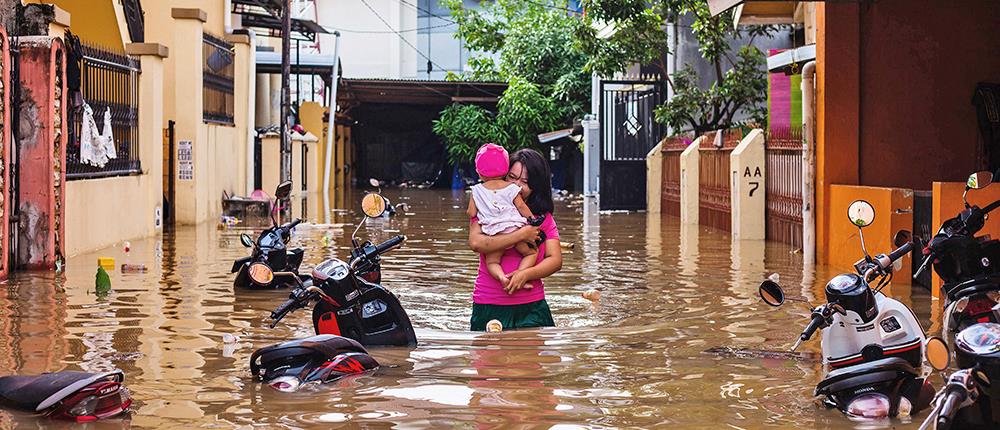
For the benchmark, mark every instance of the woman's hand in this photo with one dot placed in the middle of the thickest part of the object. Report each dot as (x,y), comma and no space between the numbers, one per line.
(518,280)
(529,233)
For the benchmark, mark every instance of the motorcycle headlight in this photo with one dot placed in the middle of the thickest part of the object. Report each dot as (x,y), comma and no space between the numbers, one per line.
(872,405)
(260,274)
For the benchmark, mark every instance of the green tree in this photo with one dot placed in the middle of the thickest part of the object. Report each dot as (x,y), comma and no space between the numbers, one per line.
(531,46)
(634,32)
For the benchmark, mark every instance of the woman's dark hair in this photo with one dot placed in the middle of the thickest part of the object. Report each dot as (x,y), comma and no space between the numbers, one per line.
(539,180)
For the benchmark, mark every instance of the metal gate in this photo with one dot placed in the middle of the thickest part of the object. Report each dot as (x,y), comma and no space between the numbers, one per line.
(628,131)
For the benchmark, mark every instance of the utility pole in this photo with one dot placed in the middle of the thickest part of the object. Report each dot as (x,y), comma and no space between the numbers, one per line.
(286,117)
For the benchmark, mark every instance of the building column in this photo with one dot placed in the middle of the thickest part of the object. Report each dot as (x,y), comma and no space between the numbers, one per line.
(244,101)
(837,112)
(151,125)
(189,130)
(690,162)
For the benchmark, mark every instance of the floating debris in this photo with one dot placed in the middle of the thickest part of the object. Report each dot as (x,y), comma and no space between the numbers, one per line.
(494,326)
(102,284)
(592,294)
(728,351)
(134,268)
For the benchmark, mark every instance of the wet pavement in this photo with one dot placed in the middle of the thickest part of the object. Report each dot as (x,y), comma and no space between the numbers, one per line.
(635,359)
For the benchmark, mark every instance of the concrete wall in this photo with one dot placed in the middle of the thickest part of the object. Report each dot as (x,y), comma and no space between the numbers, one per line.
(102,212)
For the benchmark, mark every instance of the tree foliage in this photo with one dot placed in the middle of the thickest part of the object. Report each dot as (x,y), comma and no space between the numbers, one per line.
(530,46)
(639,36)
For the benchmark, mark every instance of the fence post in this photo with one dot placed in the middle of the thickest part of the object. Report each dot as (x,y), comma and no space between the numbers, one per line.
(150,106)
(654,178)
(192,152)
(690,183)
(591,156)
(747,164)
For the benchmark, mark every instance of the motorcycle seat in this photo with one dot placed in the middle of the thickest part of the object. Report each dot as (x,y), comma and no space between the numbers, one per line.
(39,392)
(883,370)
(324,346)
(972,286)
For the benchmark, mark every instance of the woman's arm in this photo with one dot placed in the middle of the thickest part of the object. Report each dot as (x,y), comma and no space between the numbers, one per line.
(483,244)
(551,263)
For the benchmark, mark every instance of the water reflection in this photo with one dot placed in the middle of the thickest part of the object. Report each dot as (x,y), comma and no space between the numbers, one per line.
(635,359)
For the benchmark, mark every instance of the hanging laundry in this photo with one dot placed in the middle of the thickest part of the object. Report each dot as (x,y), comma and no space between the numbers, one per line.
(91,143)
(107,137)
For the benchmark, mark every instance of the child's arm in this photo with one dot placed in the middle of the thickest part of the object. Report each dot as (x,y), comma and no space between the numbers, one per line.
(522,207)
(472,208)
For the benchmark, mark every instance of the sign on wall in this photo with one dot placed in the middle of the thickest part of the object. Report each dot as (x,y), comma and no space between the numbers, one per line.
(185,160)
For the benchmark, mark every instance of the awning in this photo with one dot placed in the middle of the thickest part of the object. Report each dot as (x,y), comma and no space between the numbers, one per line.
(418,92)
(757,12)
(792,60)
(304,64)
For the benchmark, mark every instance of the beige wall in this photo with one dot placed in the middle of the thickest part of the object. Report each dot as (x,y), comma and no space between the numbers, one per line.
(102,212)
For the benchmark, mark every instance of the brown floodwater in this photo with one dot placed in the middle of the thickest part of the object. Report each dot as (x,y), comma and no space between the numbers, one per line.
(635,359)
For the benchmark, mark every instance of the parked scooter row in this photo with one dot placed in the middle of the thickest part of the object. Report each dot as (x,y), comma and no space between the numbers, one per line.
(872,343)
(352,311)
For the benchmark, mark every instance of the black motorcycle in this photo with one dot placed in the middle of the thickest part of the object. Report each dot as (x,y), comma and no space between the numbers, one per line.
(350,302)
(270,251)
(969,400)
(78,396)
(966,264)
(352,311)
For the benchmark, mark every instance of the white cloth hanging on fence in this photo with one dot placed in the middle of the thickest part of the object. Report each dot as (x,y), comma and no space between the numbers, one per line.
(96,148)
(107,137)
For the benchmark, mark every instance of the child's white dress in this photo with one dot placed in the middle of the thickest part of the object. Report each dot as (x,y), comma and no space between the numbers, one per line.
(496,210)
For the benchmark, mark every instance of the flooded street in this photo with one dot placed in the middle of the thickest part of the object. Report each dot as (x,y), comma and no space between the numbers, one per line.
(635,359)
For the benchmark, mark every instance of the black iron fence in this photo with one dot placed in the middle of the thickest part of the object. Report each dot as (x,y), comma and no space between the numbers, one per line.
(108,81)
(217,78)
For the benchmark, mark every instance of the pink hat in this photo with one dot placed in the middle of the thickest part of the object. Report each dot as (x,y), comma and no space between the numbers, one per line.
(492,161)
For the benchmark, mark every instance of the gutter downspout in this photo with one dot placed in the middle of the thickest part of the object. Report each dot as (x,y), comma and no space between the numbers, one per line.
(331,126)
(251,113)
(809,164)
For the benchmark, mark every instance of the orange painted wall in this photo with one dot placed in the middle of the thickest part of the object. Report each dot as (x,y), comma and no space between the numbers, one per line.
(836,111)
(894,88)
(920,62)
(893,212)
(948,203)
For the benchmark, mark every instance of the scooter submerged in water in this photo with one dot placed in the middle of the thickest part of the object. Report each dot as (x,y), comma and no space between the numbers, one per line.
(269,252)
(78,396)
(871,342)
(352,311)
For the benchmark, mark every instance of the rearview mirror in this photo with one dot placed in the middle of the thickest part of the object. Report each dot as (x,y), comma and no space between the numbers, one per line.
(283,190)
(246,240)
(979,180)
(902,238)
(771,293)
(861,213)
(375,182)
(937,353)
(373,205)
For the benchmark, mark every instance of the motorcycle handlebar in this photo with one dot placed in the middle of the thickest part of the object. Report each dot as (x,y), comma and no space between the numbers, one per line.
(948,409)
(901,251)
(817,321)
(282,310)
(389,244)
(292,224)
(990,207)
